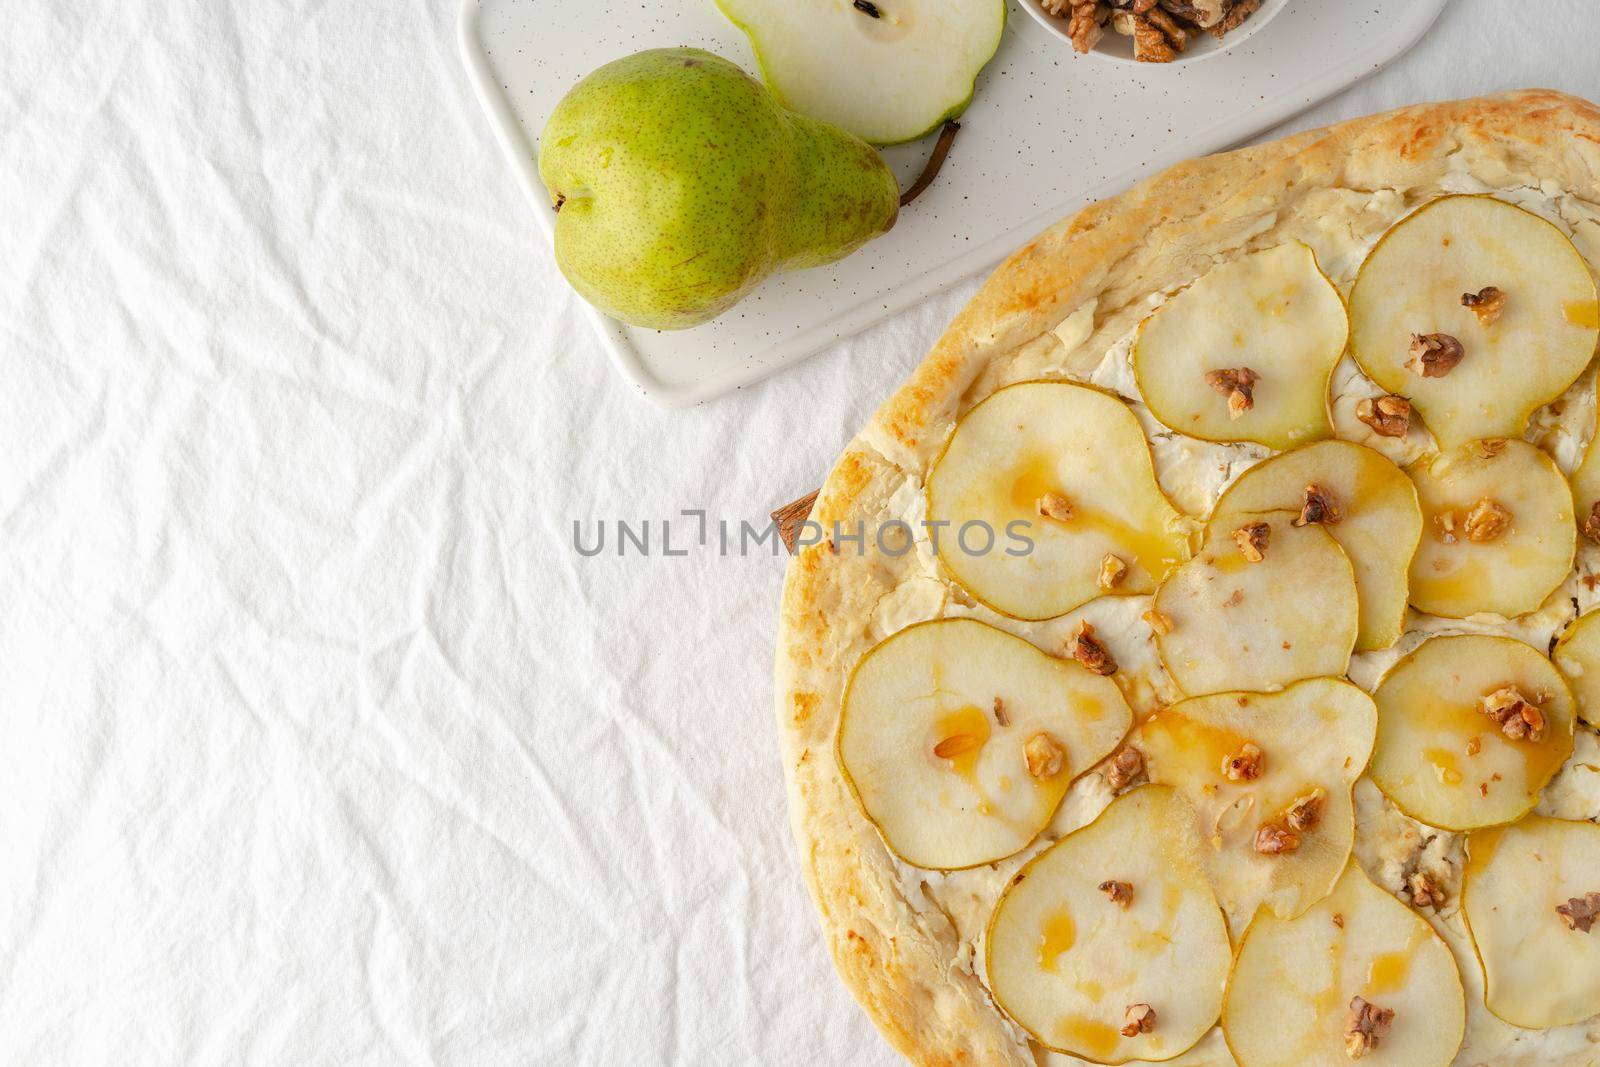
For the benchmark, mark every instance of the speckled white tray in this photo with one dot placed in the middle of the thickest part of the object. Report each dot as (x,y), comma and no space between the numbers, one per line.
(1048,132)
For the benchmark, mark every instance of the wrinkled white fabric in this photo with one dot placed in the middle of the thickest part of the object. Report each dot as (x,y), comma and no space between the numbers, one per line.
(319,743)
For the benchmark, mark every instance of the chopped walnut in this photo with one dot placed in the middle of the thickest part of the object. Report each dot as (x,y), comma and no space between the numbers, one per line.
(1125,767)
(1517,716)
(1368,1025)
(1488,303)
(1160,30)
(1088,650)
(1121,893)
(1044,755)
(1138,1019)
(1241,10)
(1238,385)
(1252,540)
(1425,892)
(1486,521)
(1474,746)
(1243,765)
(1580,913)
(1054,505)
(1591,522)
(1274,840)
(1306,812)
(1112,571)
(1000,715)
(1319,506)
(1157,622)
(1386,416)
(1433,355)
(1203,13)
(1158,37)
(1085,20)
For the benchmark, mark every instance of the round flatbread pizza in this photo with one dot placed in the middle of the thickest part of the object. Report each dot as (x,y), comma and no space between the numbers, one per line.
(1192,662)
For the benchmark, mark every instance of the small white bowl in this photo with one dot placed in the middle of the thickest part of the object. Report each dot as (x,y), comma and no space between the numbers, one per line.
(1119,49)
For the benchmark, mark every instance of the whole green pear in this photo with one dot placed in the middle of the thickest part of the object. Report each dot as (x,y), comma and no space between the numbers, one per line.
(680,183)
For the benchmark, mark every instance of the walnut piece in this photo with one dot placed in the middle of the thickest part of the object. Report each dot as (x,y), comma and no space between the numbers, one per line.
(1138,1019)
(1044,755)
(1580,913)
(1241,10)
(1243,765)
(1488,303)
(1121,893)
(1433,355)
(1085,21)
(1368,1025)
(1238,385)
(1054,505)
(1112,571)
(1087,650)
(1126,766)
(1306,812)
(1486,521)
(1518,717)
(1158,622)
(1425,892)
(1591,522)
(1319,506)
(1203,13)
(1252,540)
(1386,416)
(1274,840)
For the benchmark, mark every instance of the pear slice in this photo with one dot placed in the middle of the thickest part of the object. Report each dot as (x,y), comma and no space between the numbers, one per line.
(888,72)
(1253,763)
(1499,537)
(1293,987)
(1541,966)
(1371,510)
(1272,313)
(1516,354)
(1586,486)
(960,740)
(1024,449)
(1116,915)
(1442,757)
(1237,624)
(1577,656)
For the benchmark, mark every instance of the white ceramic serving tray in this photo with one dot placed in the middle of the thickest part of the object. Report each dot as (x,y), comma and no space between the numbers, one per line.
(1047,132)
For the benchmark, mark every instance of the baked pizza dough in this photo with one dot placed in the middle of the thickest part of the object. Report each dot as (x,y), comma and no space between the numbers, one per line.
(909,941)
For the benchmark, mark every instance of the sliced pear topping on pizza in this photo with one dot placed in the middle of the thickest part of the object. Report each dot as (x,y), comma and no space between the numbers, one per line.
(1359,976)
(1367,504)
(1577,656)
(1067,468)
(960,740)
(1245,353)
(1531,896)
(1109,945)
(1498,534)
(1586,488)
(1478,312)
(1269,778)
(1263,604)
(1470,728)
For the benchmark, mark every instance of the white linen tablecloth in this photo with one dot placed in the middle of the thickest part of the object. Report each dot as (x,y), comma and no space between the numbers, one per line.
(319,743)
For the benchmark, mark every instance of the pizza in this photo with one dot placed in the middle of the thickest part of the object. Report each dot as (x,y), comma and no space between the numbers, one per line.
(1197,659)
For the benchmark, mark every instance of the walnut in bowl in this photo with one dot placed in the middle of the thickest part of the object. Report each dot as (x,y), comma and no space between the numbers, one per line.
(1153,31)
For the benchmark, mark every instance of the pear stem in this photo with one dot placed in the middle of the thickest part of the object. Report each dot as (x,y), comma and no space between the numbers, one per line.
(941,149)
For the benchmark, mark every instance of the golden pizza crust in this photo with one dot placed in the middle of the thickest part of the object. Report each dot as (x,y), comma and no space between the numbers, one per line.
(898,952)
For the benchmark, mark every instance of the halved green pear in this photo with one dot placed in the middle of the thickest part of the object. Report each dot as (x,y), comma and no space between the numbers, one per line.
(1292,995)
(1273,314)
(1530,896)
(1455,747)
(1113,919)
(1069,450)
(1520,347)
(960,740)
(1367,504)
(1237,624)
(1499,537)
(1577,656)
(888,71)
(1254,762)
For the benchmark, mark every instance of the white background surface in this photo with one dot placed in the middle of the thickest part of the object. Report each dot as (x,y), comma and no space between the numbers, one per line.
(318,742)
